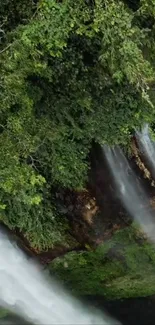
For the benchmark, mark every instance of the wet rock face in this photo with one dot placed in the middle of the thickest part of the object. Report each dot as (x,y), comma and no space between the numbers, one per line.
(135,311)
(80,208)
(141,168)
(112,214)
(94,214)
(147,172)
(140,161)
(80,204)
(88,206)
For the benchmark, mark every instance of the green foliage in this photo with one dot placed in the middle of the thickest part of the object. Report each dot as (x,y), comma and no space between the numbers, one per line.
(120,268)
(71,73)
(121,40)
(13,13)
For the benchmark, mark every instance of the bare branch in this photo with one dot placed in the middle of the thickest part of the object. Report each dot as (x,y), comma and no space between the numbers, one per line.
(7,47)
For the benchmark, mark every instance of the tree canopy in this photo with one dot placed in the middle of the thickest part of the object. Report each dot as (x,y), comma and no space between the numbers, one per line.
(72,72)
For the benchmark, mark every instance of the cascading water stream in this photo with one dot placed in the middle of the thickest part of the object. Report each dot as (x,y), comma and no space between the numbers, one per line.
(147,146)
(129,190)
(25,290)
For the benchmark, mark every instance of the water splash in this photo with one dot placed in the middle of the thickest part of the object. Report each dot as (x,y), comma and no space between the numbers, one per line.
(147,146)
(25,290)
(129,190)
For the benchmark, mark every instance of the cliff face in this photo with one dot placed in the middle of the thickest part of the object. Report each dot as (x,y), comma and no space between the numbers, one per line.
(107,254)
(96,213)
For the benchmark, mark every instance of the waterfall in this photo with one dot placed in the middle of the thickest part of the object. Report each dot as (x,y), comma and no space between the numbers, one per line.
(147,146)
(129,190)
(25,290)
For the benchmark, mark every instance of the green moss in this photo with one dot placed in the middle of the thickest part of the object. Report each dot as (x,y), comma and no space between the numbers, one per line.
(138,285)
(3,313)
(122,267)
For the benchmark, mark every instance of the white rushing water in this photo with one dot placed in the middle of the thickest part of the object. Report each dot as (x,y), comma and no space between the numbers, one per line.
(25,290)
(147,146)
(129,190)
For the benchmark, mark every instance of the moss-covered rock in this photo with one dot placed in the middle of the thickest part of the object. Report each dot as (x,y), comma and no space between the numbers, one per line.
(3,313)
(122,267)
